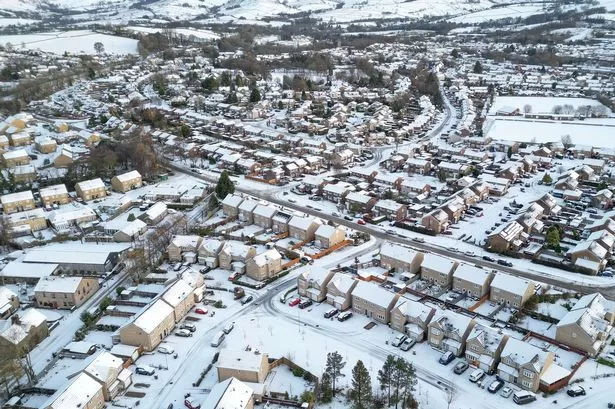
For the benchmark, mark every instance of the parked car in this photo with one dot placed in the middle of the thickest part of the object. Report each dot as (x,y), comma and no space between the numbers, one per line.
(331,313)
(247,300)
(361,221)
(294,302)
(576,390)
(447,358)
(398,340)
(234,276)
(487,258)
(145,371)
(477,375)
(506,263)
(461,367)
(506,392)
(217,339)
(495,386)
(344,316)
(523,397)
(347,218)
(418,239)
(407,344)
(192,403)
(305,304)
(228,327)
(202,311)
(186,325)
(166,349)
(183,333)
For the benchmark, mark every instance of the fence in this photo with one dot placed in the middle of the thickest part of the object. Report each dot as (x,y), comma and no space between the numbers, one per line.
(331,249)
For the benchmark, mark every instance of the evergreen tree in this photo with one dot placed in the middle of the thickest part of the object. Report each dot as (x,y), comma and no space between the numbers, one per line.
(478,68)
(326,393)
(255,95)
(334,366)
(361,392)
(509,153)
(224,186)
(455,53)
(232,98)
(385,376)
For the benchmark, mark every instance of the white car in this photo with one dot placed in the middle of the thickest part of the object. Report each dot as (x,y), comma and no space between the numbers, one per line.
(166,349)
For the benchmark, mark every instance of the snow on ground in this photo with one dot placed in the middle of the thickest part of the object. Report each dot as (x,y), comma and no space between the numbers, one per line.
(77,42)
(187,32)
(498,13)
(539,104)
(575,33)
(599,133)
(16,21)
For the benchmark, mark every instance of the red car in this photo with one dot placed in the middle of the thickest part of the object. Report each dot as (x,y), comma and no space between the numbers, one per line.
(294,302)
(361,221)
(233,276)
(192,404)
(201,311)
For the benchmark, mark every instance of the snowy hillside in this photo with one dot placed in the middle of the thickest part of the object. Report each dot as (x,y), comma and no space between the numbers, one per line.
(257,10)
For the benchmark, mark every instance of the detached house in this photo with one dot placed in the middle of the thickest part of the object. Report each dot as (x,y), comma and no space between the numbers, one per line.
(328,236)
(234,255)
(339,291)
(313,283)
(373,301)
(264,265)
(56,194)
(523,364)
(127,181)
(449,331)
(436,221)
(587,325)
(64,292)
(411,318)
(183,244)
(91,189)
(484,347)
(17,202)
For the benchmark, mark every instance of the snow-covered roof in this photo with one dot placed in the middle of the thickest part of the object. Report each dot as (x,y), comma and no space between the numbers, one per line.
(302,223)
(177,293)
(229,394)
(397,252)
(236,248)
(373,294)
(247,205)
(411,308)
(153,315)
(589,313)
(511,284)
(438,263)
(53,190)
(232,200)
(240,359)
(266,257)
(104,366)
(316,276)
(325,230)
(74,253)
(28,270)
(156,210)
(15,154)
(56,284)
(522,352)
(342,282)
(77,394)
(186,241)
(16,197)
(471,274)
(91,184)
(264,211)
(128,176)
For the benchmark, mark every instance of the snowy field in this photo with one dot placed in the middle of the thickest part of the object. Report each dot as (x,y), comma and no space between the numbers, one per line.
(4,22)
(76,42)
(187,32)
(513,11)
(539,104)
(598,133)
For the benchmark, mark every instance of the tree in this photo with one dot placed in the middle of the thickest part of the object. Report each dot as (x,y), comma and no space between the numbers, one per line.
(255,95)
(478,68)
(232,98)
(405,377)
(184,130)
(450,394)
(567,141)
(131,217)
(509,152)
(527,108)
(334,366)
(99,47)
(385,377)
(455,53)
(326,393)
(361,392)
(553,237)
(224,186)
(547,179)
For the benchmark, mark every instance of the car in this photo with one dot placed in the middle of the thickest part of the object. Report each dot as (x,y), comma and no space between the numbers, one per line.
(335,214)
(505,263)
(228,327)
(446,358)
(361,221)
(477,375)
(407,344)
(331,313)
(183,333)
(344,316)
(506,392)
(576,390)
(192,404)
(453,249)
(166,349)
(145,371)
(305,304)
(290,199)
(399,339)
(202,311)
(234,276)
(495,386)
(186,325)
(347,218)
(418,239)
(247,300)
(461,367)
(294,302)
(523,397)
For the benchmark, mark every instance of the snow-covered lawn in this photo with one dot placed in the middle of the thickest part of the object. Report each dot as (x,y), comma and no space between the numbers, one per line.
(539,104)
(76,42)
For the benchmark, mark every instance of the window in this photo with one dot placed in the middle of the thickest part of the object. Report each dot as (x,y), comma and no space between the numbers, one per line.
(434,340)
(526,384)
(528,374)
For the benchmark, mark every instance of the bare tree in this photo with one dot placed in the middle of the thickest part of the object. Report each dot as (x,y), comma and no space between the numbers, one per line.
(567,109)
(527,108)
(567,141)
(99,47)
(450,393)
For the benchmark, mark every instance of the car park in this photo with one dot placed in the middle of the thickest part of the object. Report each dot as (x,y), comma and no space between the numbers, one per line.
(495,386)
(183,333)
(446,358)
(144,371)
(576,390)
(407,344)
(461,367)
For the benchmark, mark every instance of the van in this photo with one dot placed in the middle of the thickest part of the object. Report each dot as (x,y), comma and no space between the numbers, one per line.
(523,397)
(344,316)
(228,327)
(477,375)
(217,339)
